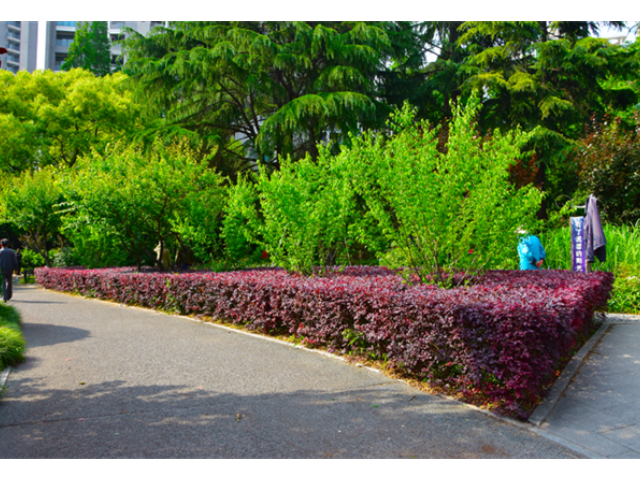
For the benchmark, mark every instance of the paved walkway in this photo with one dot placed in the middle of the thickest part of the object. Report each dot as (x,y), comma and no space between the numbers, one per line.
(106,381)
(598,414)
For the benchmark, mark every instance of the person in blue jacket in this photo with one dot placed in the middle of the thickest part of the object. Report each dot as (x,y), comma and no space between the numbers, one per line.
(531,251)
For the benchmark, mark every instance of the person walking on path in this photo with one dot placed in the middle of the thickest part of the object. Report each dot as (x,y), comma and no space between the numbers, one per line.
(8,263)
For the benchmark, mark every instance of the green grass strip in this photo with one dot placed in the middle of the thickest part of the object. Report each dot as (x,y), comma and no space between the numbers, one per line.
(12,344)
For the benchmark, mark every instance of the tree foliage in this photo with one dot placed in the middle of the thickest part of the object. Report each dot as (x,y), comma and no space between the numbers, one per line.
(143,198)
(550,75)
(52,118)
(90,49)
(609,167)
(257,92)
(29,203)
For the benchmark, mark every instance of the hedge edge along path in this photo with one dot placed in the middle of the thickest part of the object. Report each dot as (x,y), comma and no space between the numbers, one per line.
(502,337)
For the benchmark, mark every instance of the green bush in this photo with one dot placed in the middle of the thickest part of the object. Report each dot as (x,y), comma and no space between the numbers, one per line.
(12,344)
(311,212)
(31,259)
(241,224)
(444,212)
(626,295)
(439,212)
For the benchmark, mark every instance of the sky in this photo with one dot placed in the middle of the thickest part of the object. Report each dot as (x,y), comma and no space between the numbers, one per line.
(631,36)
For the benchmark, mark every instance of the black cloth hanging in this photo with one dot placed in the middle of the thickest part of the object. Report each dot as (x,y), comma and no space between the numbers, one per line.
(595,241)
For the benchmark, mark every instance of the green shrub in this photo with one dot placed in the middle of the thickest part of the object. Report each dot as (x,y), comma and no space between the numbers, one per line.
(445,212)
(439,212)
(64,257)
(608,162)
(31,259)
(12,344)
(626,295)
(241,224)
(312,216)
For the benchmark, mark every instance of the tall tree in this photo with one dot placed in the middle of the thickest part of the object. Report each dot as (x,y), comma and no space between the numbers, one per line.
(29,205)
(145,197)
(256,92)
(90,49)
(54,118)
(550,75)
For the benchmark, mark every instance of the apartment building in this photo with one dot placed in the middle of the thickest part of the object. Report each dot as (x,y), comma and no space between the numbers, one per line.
(45,45)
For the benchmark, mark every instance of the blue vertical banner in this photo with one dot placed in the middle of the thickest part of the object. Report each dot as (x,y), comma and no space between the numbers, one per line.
(578,254)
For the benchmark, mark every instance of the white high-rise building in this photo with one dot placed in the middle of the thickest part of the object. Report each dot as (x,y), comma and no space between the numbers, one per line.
(45,45)
(20,39)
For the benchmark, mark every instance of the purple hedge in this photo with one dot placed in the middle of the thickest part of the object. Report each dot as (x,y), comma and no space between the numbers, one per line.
(503,336)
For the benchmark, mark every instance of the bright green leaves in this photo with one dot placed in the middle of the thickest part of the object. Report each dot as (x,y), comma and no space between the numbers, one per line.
(439,212)
(54,118)
(313,213)
(241,227)
(90,49)
(142,198)
(30,203)
(454,211)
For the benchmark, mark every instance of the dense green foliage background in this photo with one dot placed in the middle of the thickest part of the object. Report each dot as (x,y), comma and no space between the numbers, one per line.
(417,144)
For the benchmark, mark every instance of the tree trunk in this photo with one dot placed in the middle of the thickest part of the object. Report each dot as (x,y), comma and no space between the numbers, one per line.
(541,176)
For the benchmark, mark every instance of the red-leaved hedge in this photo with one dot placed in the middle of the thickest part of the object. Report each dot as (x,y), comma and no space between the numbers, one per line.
(504,334)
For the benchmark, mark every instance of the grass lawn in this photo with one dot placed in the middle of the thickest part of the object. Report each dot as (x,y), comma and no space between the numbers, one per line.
(12,345)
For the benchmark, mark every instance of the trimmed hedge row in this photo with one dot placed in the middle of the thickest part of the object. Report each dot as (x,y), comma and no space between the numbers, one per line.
(502,336)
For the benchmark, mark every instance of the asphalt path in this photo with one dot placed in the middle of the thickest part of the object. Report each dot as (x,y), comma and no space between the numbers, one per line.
(103,380)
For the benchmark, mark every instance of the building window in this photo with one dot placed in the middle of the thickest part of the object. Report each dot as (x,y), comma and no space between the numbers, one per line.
(13,46)
(64,39)
(66,24)
(60,59)
(118,24)
(116,37)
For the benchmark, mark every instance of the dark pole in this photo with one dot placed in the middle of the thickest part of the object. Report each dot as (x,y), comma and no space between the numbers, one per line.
(2,52)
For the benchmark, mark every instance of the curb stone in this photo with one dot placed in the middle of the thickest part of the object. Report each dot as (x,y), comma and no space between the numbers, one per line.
(545,408)
(3,378)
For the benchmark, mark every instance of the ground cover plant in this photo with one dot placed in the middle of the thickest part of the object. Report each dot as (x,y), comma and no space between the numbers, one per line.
(12,345)
(499,339)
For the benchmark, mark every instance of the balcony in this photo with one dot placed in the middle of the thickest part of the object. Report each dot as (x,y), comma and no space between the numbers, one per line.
(13,46)
(13,58)
(64,41)
(116,25)
(11,34)
(14,25)
(66,26)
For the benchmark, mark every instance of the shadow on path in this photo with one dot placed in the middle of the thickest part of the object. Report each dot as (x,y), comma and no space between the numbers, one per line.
(44,334)
(112,420)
